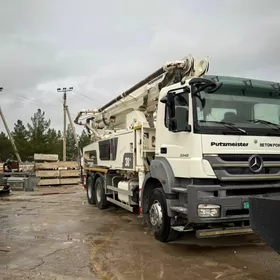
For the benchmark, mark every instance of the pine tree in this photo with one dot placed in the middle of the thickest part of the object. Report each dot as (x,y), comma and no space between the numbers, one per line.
(39,137)
(54,142)
(20,135)
(84,140)
(71,148)
(37,133)
(6,149)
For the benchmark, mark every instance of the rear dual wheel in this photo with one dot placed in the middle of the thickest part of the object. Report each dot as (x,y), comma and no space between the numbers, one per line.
(91,191)
(96,192)
(100,196)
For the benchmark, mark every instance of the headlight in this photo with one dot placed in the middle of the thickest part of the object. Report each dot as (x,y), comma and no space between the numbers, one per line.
(208,211)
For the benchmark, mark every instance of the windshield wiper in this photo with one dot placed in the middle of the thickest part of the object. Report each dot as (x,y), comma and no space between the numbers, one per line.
(276,126)
(229,125)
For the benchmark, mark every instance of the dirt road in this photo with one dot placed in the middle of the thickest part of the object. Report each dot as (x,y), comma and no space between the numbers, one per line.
(62,237)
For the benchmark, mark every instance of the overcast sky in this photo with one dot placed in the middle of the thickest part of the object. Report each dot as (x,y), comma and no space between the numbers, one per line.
(103,47)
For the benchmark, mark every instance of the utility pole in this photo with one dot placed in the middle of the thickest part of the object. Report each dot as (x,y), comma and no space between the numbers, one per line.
(64,90)
(75,138)
(10,135)
(73,131)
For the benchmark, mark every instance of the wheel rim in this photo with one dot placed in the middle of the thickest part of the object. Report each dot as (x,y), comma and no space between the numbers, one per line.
(89,190)
(98,192)
(155,212)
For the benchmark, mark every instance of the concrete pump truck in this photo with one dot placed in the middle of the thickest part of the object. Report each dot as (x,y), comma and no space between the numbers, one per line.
(185,149)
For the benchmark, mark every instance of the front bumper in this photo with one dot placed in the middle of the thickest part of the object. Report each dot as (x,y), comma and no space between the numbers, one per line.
(218,232)
(231,199)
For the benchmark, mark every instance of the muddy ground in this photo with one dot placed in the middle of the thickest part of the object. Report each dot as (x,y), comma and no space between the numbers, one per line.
(60,236)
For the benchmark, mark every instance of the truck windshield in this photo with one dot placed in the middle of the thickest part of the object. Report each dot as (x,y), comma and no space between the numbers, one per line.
(254,110)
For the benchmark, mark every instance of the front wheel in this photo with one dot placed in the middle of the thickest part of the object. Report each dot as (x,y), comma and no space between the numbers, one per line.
(158,218)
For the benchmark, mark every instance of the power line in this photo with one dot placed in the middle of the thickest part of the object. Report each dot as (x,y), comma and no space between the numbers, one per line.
(25,98)
(35,101)
(89,98)
(29,99)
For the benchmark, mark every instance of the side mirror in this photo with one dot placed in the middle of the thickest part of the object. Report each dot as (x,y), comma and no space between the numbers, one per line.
(212,89)
(176,121)
(200,84)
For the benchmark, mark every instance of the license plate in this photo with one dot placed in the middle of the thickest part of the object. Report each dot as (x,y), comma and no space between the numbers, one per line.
(246,205)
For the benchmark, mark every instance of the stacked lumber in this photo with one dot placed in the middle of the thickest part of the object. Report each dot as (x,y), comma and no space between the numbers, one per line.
(28,167)
(54,173)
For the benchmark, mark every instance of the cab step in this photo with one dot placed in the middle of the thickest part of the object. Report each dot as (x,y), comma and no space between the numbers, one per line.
(182,228)
(179,190)
(179,209)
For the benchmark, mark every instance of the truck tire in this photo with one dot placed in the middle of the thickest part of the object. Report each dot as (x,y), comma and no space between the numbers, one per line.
(158,218)
(100,196)
(90,191)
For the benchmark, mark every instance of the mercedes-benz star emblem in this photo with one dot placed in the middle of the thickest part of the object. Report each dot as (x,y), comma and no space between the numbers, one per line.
(255,163)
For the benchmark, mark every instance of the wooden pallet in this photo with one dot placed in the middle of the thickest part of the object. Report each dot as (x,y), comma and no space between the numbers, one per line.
(45,157)
(56,173)
(29,167)
(56,165)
